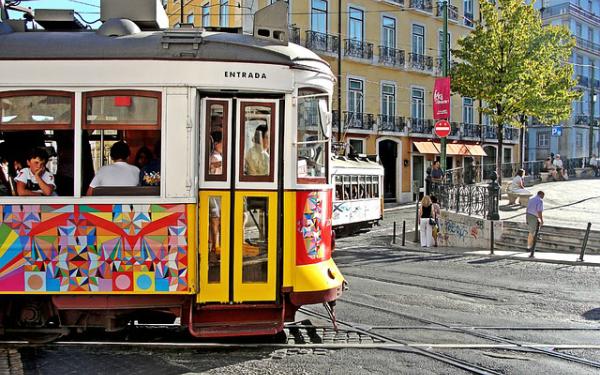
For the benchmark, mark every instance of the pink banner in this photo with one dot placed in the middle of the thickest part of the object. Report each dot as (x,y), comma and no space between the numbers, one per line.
(441,99)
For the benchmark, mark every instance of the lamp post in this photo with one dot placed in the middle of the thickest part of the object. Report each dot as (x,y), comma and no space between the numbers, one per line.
(592,105)
(444,74)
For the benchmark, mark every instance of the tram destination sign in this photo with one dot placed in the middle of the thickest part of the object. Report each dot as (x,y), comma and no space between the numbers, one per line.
(442,128)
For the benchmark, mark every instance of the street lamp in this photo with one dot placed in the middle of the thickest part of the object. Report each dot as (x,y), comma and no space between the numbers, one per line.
(592,107)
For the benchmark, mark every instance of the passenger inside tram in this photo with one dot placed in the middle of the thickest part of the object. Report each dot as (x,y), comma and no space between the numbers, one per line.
(256,158)
(120,173)
(35,179)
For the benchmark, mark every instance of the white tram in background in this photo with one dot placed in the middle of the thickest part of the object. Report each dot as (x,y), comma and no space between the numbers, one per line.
(231,231)
(358,197)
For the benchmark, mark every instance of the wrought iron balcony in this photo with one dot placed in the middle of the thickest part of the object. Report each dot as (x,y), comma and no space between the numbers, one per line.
(389,123)
(420,62)
(471,130)
(322,42)
(454,129)
(356,120)
(424,5)
(567,8)
(582,120)
(489,132)
(511,133)
(359,49)
(587,45)
(421,126)
(391,56)
(468,20)
(452,11)
(294,35)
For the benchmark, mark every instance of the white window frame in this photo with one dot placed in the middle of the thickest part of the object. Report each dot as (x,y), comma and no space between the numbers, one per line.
(385,31)
(416,37)
(543,139)
(362,23)
(417,112)
(362,143)
(312,8)
(468,111)
(383,101)
(362,95)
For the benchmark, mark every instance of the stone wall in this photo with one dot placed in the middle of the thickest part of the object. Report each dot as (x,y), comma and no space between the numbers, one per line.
(459,230)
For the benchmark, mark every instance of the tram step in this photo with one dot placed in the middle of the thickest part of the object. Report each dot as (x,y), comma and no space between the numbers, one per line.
(236,320)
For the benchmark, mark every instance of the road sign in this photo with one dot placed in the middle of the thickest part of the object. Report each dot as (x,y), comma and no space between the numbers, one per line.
(442,128)
(557,131)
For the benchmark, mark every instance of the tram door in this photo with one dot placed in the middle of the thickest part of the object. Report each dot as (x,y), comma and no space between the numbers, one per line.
(238,200)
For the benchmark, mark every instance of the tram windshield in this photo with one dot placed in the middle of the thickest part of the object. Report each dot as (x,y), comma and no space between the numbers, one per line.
(313,136)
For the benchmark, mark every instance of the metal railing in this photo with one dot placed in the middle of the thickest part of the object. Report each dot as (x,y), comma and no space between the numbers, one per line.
(420,62)
(392,123)
(356,120)
(322,42)
(586,44)
(452,11)
(391,56)
(294,35)
(357,48)
(568,8)
(468,20)
(454,129)
(583,81)
(424,5)
(421,125)
(471,130)
(460,198)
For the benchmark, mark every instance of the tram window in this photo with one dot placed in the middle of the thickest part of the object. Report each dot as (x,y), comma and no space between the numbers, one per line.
(313,144)
(362,189)
(214,239)
(257,142)
(134,118)
(216,141)
(346,188)
(255,242)
(339,186)
(376,187)
(354,190)
(369,186)
(33,128)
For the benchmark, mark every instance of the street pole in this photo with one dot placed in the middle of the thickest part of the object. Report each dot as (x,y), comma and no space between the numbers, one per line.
(592,105)
(181,15)
(339,75)
(445,74)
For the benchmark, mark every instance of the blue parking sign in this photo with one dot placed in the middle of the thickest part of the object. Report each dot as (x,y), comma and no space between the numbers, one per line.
(557,131)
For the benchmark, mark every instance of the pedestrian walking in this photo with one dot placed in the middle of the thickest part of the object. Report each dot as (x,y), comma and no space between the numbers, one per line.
(437,213)
(534,217)
(426,221)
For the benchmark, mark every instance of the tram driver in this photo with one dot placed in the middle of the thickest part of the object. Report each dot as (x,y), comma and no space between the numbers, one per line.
(256,159)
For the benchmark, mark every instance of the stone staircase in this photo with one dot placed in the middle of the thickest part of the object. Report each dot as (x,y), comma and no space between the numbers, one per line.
(553,239)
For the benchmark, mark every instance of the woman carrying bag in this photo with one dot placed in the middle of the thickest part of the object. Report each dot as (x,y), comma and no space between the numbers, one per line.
(426,221)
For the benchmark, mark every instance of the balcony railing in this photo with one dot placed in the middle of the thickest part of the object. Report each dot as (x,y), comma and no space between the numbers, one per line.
(391,56)
(468,20)
(489,132)
(567,9)
(471,130)
(322,42)
(424,5)
(454,129)
(511,133)
(357,48)
(294,35)
(421,126)
(392,123)
(420,62)
(583,81)
(356,120)
(588,45)
(582,120)
(452,11)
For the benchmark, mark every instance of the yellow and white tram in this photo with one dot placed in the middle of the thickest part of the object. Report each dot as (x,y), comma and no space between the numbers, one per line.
(231,230)
(358,198)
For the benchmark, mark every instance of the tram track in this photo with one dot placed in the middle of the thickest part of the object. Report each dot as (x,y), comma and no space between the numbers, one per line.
(497,339)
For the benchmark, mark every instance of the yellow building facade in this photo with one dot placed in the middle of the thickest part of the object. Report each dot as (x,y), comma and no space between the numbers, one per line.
(390,57)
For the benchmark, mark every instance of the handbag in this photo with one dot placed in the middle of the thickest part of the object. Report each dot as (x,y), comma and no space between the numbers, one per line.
(432,221)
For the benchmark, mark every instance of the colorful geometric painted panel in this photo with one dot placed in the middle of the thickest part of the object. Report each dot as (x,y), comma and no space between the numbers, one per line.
(313,226)
(93,248)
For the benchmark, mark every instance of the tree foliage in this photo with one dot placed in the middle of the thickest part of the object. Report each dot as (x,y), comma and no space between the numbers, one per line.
(516,66)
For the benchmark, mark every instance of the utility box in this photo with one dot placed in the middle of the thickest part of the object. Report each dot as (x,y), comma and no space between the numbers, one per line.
(147,14)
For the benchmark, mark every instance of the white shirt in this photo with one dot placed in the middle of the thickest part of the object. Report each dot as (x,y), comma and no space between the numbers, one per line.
(117,174)
(557,163)
(28,178)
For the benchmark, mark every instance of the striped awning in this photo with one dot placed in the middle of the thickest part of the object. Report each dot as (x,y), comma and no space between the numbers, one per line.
(452,149)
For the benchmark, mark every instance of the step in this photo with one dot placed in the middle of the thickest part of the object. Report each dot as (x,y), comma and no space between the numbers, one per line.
(554,245)
(573,232)
(511,246)
(236,320)
(556,241)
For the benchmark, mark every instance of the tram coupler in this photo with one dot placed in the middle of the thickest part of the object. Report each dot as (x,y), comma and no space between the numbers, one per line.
(330,308)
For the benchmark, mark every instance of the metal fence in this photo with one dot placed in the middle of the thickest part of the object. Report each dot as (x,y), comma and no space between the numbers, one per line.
(467,199)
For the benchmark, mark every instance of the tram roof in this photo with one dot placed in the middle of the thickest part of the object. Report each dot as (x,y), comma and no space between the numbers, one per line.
(168,44)
(358,162)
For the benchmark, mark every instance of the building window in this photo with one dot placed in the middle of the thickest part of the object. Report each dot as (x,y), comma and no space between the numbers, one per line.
(318,16)
(543,139)
(578,29)
(418,39)
(357,145)
(388,101)
(579,140)
(417,104)
(389,32)
(206,15)
(224,13)
(468,10)
(190,18)
(355,96)
(355,21)
(313,144)
(468,110)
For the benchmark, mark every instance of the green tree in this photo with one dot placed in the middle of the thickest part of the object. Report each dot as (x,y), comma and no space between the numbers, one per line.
(516,66)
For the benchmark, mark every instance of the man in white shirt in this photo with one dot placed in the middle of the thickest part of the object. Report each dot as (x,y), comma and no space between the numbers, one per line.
(120,173)
(558,164)
(594,164)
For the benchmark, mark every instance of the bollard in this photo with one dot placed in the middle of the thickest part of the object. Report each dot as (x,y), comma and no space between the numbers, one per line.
(417,223)
(491,238)
(403,232)
(535,237)
(394,236)
(585,241)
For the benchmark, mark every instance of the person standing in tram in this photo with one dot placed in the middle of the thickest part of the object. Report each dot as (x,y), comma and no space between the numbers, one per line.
(256,159)
(120,173)
(215,167)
